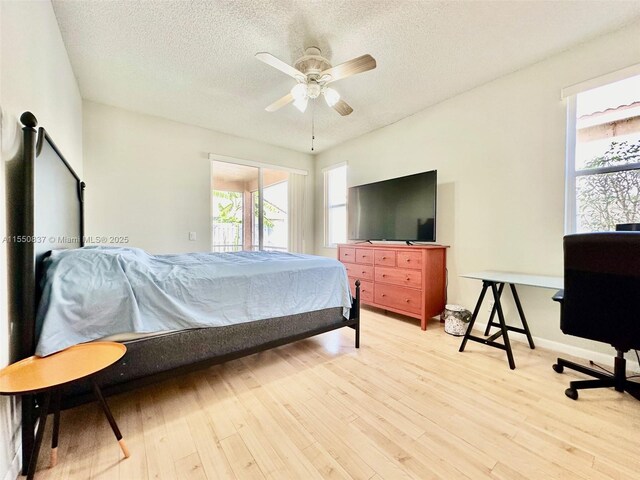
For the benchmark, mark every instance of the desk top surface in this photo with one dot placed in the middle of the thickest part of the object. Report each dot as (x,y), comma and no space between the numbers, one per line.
(542,281)
(36,374)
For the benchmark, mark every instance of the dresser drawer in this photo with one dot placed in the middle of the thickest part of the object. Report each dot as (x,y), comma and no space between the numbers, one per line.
(363,272)
(347,255)
(409,259)
(402,298)
(366,290)
(399,276)
(385,257)
(351,268)
(364,255)
(360,272)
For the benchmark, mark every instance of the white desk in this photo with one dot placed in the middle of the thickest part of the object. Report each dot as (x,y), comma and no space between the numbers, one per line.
(542,281)
(496,281)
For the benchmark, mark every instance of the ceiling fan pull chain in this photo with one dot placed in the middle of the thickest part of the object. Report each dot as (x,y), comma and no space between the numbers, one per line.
(313,117)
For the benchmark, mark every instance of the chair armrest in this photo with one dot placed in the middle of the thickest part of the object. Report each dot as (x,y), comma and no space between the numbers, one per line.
(559,296)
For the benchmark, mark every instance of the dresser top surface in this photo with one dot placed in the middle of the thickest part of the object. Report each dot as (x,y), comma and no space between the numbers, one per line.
(387,246)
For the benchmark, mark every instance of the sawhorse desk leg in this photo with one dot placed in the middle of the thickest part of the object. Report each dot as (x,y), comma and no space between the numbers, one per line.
(497,289)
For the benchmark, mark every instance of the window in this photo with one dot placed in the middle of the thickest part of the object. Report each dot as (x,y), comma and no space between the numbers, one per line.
(335,194)
(603,157)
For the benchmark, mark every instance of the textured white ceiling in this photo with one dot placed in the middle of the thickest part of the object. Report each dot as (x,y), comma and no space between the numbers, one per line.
(194,61)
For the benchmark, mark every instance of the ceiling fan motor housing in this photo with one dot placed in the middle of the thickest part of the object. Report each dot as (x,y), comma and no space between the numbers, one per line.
(312,63)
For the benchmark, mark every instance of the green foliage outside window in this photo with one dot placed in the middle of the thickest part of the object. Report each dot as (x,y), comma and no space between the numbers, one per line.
(230,208)
(606,199)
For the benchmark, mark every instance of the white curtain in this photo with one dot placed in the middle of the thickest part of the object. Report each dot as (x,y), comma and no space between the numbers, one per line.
(297,190)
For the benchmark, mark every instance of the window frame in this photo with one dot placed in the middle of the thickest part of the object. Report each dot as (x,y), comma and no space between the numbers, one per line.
(570,212)
(326,207)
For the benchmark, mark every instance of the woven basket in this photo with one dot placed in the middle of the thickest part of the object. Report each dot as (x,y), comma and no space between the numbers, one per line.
(456,320)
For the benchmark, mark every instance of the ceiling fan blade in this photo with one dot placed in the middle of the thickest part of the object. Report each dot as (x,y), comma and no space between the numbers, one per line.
(278,104)
(361,64)
(342,108)
(280,65)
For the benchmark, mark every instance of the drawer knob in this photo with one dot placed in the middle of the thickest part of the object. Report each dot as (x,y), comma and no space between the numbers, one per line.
(384,294)
(363,272)
(384,258)
(384,275)
(408,279)
(406,300)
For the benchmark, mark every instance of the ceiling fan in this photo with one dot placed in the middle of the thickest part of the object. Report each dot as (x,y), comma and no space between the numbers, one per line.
(314,73)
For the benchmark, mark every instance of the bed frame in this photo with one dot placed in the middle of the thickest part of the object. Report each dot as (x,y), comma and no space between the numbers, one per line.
(46,211)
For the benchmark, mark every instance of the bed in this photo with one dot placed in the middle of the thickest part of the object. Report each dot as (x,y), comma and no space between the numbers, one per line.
(45,198)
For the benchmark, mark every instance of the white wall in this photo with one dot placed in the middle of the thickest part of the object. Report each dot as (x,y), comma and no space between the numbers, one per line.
(148,178)
(499,150)
(35,75)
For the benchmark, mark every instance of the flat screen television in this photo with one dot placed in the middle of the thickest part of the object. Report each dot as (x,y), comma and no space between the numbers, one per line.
(401,208)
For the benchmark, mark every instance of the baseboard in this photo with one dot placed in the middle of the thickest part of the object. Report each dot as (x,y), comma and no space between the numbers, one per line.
(598,357)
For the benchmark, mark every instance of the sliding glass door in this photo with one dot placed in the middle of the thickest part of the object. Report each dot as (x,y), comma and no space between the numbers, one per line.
(249,207)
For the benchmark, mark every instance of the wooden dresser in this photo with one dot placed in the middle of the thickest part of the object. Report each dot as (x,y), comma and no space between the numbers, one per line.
(409,280)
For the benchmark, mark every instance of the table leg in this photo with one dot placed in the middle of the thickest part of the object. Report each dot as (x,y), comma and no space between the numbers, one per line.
(56,428)
(493,312)
(28,427)
(476,310)
(112,421)
(503,327)
(521,313)
(44,410)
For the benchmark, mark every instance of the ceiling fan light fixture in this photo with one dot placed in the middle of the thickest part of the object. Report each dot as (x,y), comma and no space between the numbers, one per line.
(313,90)
(299,92)
(331,96)
(301,104)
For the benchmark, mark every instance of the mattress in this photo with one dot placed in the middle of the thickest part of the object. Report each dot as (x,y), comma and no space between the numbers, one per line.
(95,292)
(129,336)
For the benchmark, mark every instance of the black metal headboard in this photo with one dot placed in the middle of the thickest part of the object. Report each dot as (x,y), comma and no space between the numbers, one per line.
(45,212)
(50,216)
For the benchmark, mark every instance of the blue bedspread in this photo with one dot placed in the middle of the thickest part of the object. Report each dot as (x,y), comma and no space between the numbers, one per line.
(93,292)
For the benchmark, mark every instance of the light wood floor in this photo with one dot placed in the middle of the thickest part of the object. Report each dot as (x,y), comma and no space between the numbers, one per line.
(406,405)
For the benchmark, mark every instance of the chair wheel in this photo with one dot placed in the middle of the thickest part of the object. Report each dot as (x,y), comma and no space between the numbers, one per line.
(558,368)
(572,393)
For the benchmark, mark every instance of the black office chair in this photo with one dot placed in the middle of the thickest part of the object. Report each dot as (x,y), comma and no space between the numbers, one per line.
(601,301)
(628,227)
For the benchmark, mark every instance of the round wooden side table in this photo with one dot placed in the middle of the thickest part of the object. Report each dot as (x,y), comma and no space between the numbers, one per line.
(46,376)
